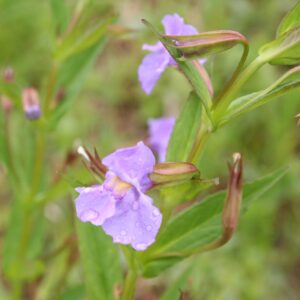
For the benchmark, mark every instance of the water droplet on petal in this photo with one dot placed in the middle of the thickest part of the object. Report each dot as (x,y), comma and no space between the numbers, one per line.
(140,246)
(149,228)
(135,205)
(155,212)
(123,232)
(89,215)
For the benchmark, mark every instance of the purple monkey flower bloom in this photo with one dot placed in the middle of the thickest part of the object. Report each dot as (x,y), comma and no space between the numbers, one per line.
(119,205)
(160,131)
(155,63)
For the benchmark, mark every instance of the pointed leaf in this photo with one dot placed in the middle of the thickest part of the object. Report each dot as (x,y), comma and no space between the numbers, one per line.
(285,50)
(290,21)
(185,130)
(241,105)
(60,15)
(100,263)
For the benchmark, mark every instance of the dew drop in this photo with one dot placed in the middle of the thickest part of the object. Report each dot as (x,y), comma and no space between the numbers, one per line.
(89,215)
(140,246)
(155,212)
(149,228)
(123,232)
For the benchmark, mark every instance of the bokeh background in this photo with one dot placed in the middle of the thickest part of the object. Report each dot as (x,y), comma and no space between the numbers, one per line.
(263,259)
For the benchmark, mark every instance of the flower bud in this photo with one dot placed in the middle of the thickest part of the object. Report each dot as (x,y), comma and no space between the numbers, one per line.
(8,74)
(31,103)
(172,172)
(232,204)
(6,104)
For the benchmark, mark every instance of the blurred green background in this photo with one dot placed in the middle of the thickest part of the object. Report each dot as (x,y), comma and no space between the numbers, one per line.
(263,259)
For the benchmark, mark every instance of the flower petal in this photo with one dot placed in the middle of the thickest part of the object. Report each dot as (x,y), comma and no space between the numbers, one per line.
(132,165)
(173,24)
(136,221)
(153,48)
(151,68)
(160,131)
(189,30)
(94,204)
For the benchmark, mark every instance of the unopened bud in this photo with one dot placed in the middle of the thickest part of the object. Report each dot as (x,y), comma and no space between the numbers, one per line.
(31,103)
(8,74)
(232,204)
(173,172)
(6,104)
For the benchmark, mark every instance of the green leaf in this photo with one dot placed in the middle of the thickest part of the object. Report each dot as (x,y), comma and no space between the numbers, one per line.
(197,226)
(285,50)
(75,59)
(72,75)
(99,258)
(20,223)
(60,15)
(290,21)
(181,191)
(185,130)
(173,292)
(80,41)
(74,293)
(241,105)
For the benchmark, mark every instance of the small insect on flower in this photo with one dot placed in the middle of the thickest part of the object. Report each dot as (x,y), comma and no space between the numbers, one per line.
(120,204)
(160,131)
(155,63)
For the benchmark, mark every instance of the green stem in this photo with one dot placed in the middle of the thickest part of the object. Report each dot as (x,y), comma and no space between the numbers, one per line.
(38,166)
(9,152)
(129,286)
(28,215)
(199,144)
(235,88)
(50,88)
(235,74)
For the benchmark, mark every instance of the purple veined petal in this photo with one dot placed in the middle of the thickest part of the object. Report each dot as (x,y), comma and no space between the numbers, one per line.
(94,204)
(136,221)
(151,68)
(173,24)
(160,131)
(153,48)
(132,165)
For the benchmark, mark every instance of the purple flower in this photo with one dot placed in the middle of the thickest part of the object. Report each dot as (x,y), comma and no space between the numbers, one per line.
(31,103)
(120,204)
(155,63)
(160,131)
